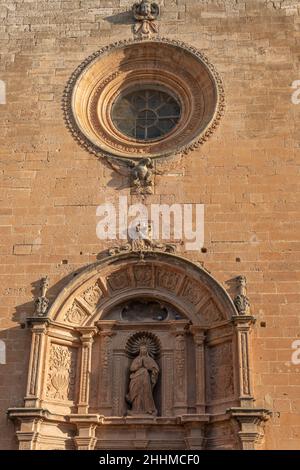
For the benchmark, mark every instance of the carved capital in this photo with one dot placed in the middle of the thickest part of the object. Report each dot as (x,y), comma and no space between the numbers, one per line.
(198,334)
(87,334)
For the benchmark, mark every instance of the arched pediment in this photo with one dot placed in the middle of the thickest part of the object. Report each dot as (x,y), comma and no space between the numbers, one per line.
(83,358)
(169,278)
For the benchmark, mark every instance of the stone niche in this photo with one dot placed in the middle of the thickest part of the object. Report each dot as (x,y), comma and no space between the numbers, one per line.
(141,354)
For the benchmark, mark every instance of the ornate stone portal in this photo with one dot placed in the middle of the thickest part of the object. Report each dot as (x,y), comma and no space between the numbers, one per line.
(105,360)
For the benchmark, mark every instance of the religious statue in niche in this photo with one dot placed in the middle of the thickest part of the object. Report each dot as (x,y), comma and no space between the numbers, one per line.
(144,372)
(145,14)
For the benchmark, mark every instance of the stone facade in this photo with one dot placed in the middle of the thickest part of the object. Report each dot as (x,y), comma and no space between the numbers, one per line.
(245,174)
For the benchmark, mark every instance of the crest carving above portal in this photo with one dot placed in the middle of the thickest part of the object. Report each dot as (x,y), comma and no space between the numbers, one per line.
(145,14)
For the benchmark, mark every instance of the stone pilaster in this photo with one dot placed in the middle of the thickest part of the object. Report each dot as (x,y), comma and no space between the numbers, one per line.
(199,338)
(36,364)
(87,335)
(106,363)
(180,367)
(243,330)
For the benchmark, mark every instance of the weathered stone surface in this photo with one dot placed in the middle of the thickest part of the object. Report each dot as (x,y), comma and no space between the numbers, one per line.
(246,174)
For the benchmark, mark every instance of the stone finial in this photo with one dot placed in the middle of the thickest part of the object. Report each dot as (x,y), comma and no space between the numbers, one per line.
(42,302)
(145,14)
(241,301)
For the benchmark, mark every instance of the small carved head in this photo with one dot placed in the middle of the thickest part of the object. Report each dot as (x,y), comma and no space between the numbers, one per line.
(145,7)
(241,281)
(143,350)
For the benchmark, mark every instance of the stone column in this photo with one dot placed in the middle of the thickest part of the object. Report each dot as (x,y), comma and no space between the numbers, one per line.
(199,338)
(36,364)
(180,367)
(243,328)
(87,334)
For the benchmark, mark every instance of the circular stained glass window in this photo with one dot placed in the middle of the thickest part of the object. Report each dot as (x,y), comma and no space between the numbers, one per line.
(146,114)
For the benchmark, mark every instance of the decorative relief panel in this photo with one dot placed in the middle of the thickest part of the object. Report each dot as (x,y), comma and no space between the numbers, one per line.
(210,313)
(220,371)
(92,295)
(168,280)
(61,373)
(143,276)
(192,292)
(105,369)
(75,315)
(119,280)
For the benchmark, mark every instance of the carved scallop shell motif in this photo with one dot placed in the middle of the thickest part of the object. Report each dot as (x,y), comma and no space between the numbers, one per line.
(143,338)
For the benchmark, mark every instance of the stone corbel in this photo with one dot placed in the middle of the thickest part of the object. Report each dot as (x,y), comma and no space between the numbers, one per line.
(251,422)
(29,420)
(86,431)
(195,427)
(87,338)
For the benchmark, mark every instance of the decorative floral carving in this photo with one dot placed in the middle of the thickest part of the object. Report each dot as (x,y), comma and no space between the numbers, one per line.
(106,367)
(61,372)
(180,367)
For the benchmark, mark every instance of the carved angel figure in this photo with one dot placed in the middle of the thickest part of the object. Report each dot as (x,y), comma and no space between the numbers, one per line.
(140,173)
(145,13)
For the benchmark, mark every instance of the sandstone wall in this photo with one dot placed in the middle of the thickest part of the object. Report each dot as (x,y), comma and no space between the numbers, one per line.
(247,174)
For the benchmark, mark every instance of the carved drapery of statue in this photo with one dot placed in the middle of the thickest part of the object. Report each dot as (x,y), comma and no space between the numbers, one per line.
(143,378)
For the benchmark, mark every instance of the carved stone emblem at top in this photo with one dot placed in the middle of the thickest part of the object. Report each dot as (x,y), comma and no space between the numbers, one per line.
(145,14)
(42,302)
(142,242)
(241,301)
